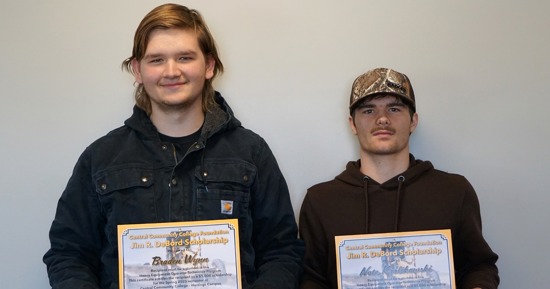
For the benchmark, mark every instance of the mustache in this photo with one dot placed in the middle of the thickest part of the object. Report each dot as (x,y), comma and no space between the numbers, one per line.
(387,128)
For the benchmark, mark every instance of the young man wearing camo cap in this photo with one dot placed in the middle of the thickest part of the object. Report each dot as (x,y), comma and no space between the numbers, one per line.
(389,190)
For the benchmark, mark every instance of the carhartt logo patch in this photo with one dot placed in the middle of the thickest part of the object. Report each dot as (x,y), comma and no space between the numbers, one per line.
(227,207)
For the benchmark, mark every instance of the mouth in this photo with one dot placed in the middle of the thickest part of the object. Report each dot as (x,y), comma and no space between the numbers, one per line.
(172,85)
(175,83)
(383,132)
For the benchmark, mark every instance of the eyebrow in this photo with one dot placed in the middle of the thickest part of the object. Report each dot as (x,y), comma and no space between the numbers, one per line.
(397,103)
(371,105)
(157,55)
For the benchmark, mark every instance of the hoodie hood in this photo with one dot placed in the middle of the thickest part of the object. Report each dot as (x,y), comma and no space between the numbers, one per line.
(354,177)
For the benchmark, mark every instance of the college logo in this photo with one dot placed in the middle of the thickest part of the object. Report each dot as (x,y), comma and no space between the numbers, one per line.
(227,207)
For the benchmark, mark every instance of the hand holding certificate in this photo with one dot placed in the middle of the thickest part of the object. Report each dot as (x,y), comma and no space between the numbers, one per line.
(201,254)
(421,259)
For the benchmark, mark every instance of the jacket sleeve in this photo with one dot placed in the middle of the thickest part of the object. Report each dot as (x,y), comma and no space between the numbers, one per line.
(278,251)
(75,235)
(315,259)
(476,264)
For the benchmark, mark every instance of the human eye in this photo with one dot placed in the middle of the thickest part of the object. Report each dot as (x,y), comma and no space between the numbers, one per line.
(395,108)
(367,110)
(155,60)
(187,56)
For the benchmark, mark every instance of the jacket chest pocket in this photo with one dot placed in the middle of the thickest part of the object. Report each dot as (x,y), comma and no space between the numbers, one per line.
(125,192)
(223,189)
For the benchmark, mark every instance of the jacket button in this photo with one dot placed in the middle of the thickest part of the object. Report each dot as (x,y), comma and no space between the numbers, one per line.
(245,178)
(205,174)
(104,186)
(174,182)
(164,147)
(144,179)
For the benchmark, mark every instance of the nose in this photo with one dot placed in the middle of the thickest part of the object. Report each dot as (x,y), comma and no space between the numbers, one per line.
(171,69)
(383,120)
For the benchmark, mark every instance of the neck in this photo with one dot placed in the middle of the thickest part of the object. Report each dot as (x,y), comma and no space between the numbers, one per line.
(177,123)
(381,168)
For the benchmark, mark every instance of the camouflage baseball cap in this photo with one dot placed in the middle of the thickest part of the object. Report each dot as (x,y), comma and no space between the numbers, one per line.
(382,81)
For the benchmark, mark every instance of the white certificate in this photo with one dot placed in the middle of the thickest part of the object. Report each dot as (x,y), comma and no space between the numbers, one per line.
(420,259)
(201,254)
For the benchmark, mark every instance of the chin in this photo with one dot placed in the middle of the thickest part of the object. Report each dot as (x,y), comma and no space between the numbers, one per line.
(383,151)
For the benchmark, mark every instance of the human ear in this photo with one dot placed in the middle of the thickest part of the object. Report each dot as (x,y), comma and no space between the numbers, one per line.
(210,65)
(414,122)
(136,70)
(352,125)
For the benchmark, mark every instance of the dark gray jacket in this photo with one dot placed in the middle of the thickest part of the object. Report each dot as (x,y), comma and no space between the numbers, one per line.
(130,176)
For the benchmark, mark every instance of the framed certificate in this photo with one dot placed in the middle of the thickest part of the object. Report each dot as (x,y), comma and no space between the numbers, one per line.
(201,254)
(420,259)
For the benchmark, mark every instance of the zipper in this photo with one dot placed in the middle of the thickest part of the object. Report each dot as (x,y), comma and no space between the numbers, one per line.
(175,155)
(194,147)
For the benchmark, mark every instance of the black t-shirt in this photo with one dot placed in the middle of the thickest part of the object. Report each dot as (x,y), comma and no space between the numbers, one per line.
(183,143)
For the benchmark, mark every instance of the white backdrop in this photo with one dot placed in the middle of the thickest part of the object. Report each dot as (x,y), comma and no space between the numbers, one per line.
(480,71)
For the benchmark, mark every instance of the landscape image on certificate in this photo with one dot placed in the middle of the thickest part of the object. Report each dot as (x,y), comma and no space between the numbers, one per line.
(419,262)
(180,257)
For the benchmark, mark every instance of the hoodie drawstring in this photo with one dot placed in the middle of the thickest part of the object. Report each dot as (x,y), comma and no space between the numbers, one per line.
(366,191)
(401,180)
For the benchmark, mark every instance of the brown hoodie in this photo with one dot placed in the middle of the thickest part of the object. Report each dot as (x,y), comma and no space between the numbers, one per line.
(421,198)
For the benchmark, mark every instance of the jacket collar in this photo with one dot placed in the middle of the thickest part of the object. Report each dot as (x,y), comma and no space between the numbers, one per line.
(219,118)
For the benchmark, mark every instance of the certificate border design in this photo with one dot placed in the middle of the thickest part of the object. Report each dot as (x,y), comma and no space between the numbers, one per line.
(444,235)
(124,230)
